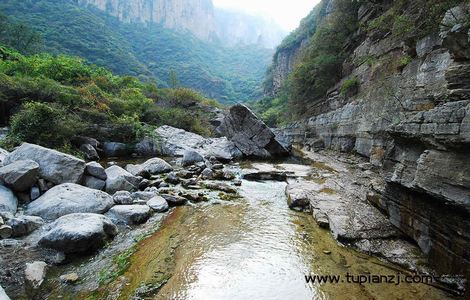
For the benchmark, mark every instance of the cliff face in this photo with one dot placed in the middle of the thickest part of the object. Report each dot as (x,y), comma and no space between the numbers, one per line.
(410,114)
(195,16)
(237,28)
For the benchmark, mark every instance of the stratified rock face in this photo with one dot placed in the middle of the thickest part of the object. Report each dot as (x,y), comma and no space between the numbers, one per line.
(79,233)
(413,122)
(195,16)
(54,166)
(250,134)
(69,198)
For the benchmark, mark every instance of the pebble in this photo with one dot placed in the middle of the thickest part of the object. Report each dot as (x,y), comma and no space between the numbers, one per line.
(327,252)
(69,278)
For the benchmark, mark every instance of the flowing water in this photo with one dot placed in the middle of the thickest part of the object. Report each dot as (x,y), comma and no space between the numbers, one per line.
(252,248)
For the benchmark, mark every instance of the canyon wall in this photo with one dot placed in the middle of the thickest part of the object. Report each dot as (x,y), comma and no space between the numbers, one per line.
(195,16)
(198,17)
(410,115)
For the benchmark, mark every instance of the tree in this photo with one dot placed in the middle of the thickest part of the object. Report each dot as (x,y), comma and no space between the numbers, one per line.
(19,36)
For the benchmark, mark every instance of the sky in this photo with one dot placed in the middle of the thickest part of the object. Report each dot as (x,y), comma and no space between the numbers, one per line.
(287,13)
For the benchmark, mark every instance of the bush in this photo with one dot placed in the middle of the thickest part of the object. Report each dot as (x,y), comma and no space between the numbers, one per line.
(349,85)
(43,124)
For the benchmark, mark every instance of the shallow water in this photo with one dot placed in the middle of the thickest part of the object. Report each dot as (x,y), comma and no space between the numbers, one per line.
(253,248)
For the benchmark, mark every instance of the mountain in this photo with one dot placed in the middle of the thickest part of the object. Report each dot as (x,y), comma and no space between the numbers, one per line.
(131,38)
(238,28)
(195,16)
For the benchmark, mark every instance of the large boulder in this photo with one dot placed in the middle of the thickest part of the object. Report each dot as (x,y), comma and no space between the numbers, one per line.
(54,166)
(94,183)
(250,134)
(158,204)
(89,152)
(8,201)
(190,157)
(129,214)
(20,175)
(96,170)
(174,142)
(69,198)
(119,179)
(152,166)
(79,233)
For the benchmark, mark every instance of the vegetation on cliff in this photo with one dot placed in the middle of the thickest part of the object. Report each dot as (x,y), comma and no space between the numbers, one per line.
(334,29)
(48,99)
(149,52)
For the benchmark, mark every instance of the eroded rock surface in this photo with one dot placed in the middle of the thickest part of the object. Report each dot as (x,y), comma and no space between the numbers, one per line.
(79,233)
(250,134)
(69,198)
(54,166)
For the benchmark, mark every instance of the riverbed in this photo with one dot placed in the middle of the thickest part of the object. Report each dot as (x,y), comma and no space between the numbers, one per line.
(253,247)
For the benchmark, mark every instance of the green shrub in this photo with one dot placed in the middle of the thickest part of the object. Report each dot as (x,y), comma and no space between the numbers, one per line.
(349,85)
(44,124)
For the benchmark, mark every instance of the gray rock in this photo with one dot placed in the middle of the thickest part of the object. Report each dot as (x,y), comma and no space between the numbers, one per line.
(24,225)
(158,204)
(20,175)
(89,152)
(8,200)
(207,174)
(83,140)
(94,183)
(113,149)
(220,187)
(5,232)
(69,198)
(147,147)
(3,295)
(96,170)
(123,197)
(172,178)
(130,214)
(297,197)
(79,233)
(120,180)
(143,195)
(174,200)
(190,157)
(152,166)
(174,142)
(35,193)
(3,154)
(250,134)
(35,273)
(54,166)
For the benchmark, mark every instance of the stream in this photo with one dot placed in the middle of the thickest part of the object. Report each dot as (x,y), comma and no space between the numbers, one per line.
(253,247)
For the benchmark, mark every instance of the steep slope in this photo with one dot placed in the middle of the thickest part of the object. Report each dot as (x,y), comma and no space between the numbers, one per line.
(195,16)
(395,90)
(149,52)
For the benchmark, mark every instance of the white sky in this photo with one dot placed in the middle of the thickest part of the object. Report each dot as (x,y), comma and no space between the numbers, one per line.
(286,13)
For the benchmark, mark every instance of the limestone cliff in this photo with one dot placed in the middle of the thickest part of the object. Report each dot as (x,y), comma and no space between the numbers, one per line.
(195,16)
(198,17)
(410,114)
